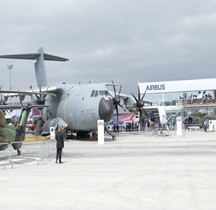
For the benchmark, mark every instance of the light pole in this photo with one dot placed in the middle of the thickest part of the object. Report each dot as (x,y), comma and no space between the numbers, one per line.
(10,67)
(1,93)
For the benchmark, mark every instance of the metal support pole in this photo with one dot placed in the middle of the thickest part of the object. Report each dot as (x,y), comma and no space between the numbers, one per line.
(10,67)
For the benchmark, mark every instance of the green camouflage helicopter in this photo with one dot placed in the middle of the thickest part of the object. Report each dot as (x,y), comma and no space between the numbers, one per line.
(10,134)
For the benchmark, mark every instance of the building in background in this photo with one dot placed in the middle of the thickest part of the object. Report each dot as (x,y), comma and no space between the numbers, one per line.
(194,100)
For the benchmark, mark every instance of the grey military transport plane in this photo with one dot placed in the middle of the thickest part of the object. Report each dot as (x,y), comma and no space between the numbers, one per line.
(74,105)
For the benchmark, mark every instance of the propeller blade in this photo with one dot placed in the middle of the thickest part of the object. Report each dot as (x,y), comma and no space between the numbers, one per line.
(144,94)
(122,107)
(110,94)
(40,88)
(34,93)
(119,90)
(40,96)
(117,113)
(138,93)
(139,100)
(114,88)
(140,116)
(134,97)
(49,112)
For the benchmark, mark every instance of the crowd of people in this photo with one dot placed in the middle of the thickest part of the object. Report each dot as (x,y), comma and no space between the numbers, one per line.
(201,97)
(132,126)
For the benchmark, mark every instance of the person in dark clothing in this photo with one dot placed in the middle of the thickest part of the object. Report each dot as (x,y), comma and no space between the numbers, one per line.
(114,128)
(117,128)
(59,144)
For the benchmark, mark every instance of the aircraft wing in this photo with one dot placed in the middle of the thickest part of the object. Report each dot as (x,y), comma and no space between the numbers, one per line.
(19,106)
(22,94)
(17,93)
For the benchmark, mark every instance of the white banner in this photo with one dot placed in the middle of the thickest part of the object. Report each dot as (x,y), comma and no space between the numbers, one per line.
(178,86)
(100,127)
(179,126)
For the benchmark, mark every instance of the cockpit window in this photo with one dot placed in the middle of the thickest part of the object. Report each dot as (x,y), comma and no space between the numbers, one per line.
(96,93)
(92,93)
(103,92)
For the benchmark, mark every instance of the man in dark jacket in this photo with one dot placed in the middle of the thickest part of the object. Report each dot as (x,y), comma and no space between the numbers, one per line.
(59,144)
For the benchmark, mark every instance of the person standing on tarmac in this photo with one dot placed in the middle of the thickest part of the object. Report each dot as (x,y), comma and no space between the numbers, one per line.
(59,144)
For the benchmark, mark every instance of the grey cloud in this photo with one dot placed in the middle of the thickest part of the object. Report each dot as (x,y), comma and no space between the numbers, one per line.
(124,40)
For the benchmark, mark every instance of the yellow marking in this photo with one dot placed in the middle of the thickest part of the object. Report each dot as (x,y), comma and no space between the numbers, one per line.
(37,138)
(93,140)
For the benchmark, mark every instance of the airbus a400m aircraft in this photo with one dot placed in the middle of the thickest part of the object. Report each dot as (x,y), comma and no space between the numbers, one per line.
(76,106)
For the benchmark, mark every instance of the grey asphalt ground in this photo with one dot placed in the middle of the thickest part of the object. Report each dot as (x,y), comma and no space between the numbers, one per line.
(145,172)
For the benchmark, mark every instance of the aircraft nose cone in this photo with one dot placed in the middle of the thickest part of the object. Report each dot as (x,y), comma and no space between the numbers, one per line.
(106,109)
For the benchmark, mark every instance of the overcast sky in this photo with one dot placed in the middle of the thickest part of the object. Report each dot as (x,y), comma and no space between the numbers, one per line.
(122,40)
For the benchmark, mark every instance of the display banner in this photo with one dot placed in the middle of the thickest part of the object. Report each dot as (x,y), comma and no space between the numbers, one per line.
(178,86)
(100,126)
(179,126)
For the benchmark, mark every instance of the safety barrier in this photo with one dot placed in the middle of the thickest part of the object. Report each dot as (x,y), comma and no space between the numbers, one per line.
(162,132)
(39,151)
(5,159)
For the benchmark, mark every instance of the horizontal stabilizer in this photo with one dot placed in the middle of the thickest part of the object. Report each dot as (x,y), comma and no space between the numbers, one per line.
(39,57)
(34,56)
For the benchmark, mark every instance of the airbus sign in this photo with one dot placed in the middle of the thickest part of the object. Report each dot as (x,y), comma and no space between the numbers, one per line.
(178,86)
(156,87)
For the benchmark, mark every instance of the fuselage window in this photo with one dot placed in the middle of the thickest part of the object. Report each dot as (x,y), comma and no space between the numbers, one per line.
(96,93)
(92,93)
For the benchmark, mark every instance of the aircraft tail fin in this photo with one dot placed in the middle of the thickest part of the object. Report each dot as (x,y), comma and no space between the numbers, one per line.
(40,70)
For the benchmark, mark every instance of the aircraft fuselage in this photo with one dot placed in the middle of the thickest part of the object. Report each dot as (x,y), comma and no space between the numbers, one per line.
(80,106)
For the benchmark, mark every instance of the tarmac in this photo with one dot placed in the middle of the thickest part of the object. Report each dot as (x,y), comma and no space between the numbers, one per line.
(133,172)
